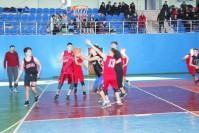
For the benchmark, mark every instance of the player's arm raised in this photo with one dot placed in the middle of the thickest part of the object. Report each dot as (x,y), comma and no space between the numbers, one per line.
(96,49)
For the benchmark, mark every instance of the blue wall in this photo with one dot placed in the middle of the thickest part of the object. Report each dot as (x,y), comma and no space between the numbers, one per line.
(148,53)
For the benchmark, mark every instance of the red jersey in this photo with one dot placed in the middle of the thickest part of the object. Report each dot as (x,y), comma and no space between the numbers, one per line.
(109,66)
(109,75)
(78,68)
(67,67)
(124,60)
(12,59)
(190,68)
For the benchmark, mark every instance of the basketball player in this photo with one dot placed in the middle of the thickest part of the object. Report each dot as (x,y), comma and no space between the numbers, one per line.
(109,75)
(96,60)
(119,69)
(67,59)
(125,60)
(29,63)
(195,60)
(78,75)
(191,67)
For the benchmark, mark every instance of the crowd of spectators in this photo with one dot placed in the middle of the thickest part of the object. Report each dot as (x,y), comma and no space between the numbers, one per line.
(186,14)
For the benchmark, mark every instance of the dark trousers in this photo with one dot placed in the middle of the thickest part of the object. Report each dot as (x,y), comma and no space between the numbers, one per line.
(12,71)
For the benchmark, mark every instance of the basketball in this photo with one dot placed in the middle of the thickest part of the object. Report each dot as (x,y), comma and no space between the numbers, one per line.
(77,51)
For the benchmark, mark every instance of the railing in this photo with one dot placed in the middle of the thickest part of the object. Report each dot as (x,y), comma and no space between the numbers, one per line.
(98,27)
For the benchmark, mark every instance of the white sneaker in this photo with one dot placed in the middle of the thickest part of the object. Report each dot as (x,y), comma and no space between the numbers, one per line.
(119,102)
(16,90)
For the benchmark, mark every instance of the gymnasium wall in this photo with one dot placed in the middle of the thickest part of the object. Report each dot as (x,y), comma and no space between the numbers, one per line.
(148,53)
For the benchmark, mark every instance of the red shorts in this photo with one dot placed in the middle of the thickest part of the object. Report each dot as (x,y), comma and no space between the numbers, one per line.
(78,76)
(192,70)
(111,81)
(63,77)
(124,71)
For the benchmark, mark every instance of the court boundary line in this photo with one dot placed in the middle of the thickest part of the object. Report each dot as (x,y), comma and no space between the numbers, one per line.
(23,119)
(164,100)
(185,89)
(136,115)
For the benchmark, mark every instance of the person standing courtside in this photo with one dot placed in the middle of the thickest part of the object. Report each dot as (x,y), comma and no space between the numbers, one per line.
(11,60)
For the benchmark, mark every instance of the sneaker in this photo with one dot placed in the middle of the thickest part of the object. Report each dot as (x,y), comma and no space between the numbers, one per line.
(36,99)
(109,104)
(67,97)
(56,96)
(105,105)
(26,104)
(119,102)
(75,91)
(16,90)
(122,96)
(100,100)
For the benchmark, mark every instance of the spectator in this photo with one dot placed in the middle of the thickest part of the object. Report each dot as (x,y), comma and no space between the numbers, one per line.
(175,12)
(183,5)
(65,19)
(11,61)
(195,22)
(128,11)
(174,20)
(165,8)
(102,8)
(56,29)
(169,14)
(187,22)
(134,18)
(132,6)
(127,21)
(101,28)
(181,14)
(142,23)
(120,8)
(160,19)
(124,7)
(108,8)
(114,9)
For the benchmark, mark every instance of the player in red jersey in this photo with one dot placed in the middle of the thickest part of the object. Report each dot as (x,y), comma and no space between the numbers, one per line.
(125,60)
(67,58)
(190,66)
(78,75)
(109,75)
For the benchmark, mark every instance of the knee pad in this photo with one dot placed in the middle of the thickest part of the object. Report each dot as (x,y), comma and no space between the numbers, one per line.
(34,86)
(59,86)
(115,90)
(105,92)
(100,87)
(82,83)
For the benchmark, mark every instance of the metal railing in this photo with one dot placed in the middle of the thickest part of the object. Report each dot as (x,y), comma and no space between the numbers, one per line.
(98,27)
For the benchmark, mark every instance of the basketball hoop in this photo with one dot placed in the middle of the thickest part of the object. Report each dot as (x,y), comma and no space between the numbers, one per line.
(79,11)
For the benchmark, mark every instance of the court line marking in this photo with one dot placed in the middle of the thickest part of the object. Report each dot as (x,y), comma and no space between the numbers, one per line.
(11,126)
(23,119)
(164,100)
(185,89)
(136,115)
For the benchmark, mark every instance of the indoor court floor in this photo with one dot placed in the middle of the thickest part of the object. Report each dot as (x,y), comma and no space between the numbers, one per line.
(154,104)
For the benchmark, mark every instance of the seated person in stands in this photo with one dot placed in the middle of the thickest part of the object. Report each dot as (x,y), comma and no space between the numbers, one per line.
(174,20)
(101,28)
(127,21)
(56,29)
(134,20)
